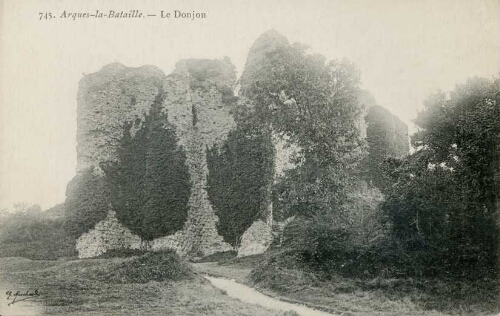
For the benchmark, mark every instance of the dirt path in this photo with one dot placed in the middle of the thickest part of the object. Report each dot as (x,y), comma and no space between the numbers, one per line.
(229,278)
(248,295)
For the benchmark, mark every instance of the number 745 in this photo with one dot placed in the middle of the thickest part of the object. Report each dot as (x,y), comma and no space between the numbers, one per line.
(46,16)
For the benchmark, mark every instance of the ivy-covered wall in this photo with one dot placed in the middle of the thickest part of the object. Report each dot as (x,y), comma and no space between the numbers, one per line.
(387,136)
(151,184)
(150,153)
(181,162)
(240,172)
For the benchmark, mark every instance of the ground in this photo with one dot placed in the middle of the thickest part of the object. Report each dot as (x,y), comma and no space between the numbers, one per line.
(344,296)
(84,287)
(72,287)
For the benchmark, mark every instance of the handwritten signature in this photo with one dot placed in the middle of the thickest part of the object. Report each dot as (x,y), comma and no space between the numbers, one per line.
(18,296)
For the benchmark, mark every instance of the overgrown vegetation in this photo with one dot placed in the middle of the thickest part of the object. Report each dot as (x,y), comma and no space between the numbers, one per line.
(150,186)
(240,174)
(31,233)
(315,105)
(386,136)
(88,197)
(443,205)
(422,227)
(151,266)
(439,219)
(286,275)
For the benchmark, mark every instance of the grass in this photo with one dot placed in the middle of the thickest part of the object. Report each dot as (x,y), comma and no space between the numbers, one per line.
(219,256)
(236,269)
(162,284)
(152,266)
(98,286)
(375,296)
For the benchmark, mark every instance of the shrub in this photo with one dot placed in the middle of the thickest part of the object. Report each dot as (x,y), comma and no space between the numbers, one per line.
(34,236)
(150,186)
(87,201)
(152,266)
(240,174)
(219,256)
(122,253)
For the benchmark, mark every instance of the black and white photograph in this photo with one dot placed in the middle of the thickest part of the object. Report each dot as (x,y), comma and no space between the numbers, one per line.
(253,158)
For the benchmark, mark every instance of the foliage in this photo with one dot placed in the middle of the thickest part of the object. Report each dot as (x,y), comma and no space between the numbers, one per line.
(157,266)
(167,181)
(240,173)
(314,105)
(385,138)
(282,273)
(330,246)
(122,253)
(205,74)
(219,257)
(443,206)
(34,234)
(151,184)
(87,201)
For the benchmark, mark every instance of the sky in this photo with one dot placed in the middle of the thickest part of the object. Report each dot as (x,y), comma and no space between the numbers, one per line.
(404,49)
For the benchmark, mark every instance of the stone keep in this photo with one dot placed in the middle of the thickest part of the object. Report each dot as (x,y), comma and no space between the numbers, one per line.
(195,98)
(117,95)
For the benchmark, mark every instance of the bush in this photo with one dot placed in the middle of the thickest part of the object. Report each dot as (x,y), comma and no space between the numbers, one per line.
(34,236)
(219,256)
(87,202)
(150,186)
(152,266)
(122,253)
(239,175)
(346,242)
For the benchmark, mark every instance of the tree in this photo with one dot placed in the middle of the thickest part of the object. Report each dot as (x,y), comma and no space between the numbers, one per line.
(150,183)
(87,201)
(126,178)
(385,138)
(166,181)
(315,105)
(239,175)
(444,201)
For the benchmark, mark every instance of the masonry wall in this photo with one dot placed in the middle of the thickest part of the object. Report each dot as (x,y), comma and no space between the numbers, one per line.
(198,102)
(194,105)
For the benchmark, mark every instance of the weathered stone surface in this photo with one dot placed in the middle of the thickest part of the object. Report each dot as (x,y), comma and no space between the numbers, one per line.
(257,59)
(194,104)
(256,239)
(198,102)
(106,100)
(107,234)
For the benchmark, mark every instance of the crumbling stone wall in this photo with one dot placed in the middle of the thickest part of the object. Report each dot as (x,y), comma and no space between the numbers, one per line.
(107,234)
(106,100)
(194,104)
(256,239)
(196,108)
(198,104)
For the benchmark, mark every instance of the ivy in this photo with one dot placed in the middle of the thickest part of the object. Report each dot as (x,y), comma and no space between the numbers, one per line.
(151,184)
(240,173)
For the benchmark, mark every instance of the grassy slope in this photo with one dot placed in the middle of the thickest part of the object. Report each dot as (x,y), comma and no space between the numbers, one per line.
(81,287)
(344,295)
